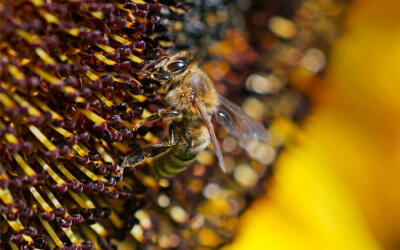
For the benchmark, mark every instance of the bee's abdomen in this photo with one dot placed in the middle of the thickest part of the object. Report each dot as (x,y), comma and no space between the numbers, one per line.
(169,164)
(193,138)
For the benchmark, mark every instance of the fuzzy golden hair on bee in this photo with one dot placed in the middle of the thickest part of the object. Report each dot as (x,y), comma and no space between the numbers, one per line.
(194,85)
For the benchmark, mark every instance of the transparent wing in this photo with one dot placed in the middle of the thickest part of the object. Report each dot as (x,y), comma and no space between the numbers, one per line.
(239,124)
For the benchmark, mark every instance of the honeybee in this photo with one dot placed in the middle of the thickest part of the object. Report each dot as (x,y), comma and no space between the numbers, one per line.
(193,102)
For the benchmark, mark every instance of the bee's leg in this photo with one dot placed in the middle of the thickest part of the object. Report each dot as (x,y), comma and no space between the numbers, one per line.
(162,114)
(142,154)
(171,131)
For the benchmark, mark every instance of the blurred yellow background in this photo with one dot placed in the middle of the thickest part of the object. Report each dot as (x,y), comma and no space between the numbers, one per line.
(339,188)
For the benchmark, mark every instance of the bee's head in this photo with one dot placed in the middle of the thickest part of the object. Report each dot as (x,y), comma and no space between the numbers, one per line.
(172,70)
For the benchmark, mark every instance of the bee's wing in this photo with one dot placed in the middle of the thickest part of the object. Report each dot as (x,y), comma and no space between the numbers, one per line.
(238,123)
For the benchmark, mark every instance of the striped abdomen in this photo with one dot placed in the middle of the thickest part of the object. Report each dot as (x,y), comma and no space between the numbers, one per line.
(191,140)
(169,164)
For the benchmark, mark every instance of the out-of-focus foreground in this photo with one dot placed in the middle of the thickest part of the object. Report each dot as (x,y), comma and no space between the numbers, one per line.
(338,188)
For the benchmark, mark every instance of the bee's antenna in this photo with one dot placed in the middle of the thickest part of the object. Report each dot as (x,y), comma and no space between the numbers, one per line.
(214,141)
(144,71)
(154,62)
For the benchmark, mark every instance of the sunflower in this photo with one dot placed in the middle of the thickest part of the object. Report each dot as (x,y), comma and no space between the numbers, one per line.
(338,187)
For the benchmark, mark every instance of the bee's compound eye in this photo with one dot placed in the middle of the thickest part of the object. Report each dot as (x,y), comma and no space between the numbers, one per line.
(176,66)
